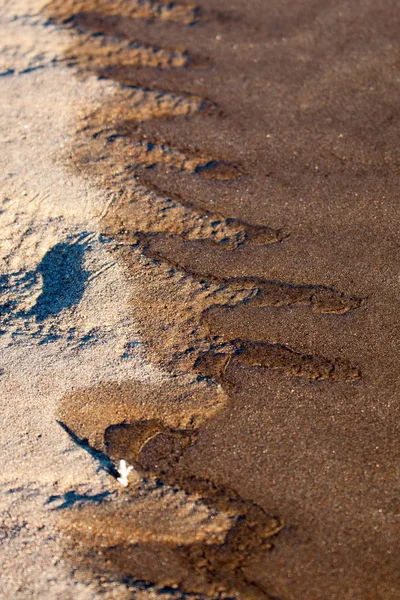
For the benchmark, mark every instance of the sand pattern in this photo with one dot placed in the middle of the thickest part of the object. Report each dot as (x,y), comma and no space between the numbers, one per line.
(180,153)
(117,146)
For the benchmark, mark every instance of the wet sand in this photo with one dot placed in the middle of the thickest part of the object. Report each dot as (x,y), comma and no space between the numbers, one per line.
(249,153)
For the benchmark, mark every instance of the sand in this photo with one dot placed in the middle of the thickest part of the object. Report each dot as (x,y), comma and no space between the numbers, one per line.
(199,214)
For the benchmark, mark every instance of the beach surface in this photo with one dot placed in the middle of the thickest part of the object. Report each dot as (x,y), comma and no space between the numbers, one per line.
(199,297)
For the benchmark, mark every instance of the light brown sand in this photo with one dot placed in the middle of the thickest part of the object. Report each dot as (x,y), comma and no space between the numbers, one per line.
(251,377)
(43,205)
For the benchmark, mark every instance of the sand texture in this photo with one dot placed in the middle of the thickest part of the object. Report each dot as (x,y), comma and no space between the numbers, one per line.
(199,292)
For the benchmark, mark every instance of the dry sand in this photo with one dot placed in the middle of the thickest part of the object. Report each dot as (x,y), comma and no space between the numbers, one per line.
(48,212)
(199,216)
